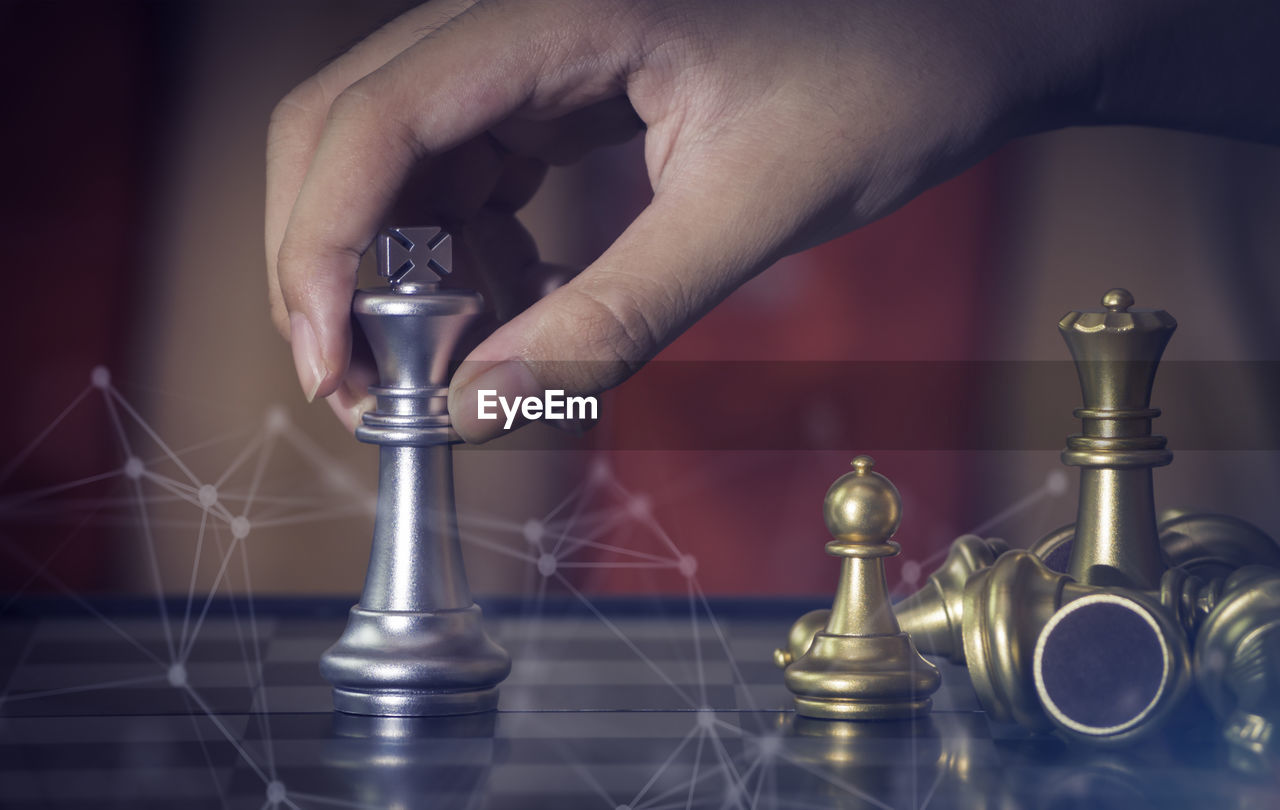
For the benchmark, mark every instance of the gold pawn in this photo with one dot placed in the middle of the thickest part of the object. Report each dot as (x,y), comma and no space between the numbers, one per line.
(931,615)
(862,666)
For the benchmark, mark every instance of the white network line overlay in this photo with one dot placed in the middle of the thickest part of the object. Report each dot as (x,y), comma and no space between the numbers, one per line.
(550,542)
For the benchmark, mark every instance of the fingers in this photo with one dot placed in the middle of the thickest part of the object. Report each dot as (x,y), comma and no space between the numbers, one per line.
(450,189)
(298,120)
(566,139)
(519,181)
(352,399)
(678,259)
(441,92)
(498,254)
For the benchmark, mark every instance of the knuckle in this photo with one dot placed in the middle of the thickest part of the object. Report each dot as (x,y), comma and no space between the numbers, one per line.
(353,104)
(311,270)
(615,324)
(306,102)
(667,25)
(368,111)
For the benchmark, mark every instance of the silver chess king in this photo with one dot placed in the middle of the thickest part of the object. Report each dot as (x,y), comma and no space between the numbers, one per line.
(415,645)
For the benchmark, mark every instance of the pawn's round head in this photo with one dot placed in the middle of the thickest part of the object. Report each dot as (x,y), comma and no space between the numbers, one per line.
(1117,300)
(862,505)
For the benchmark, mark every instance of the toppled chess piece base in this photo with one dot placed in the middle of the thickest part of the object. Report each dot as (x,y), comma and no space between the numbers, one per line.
(1089,633)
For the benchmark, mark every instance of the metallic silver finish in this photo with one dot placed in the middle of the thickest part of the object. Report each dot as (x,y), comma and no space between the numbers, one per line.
(415,644)
(415,255)
(399,761)
(406,573)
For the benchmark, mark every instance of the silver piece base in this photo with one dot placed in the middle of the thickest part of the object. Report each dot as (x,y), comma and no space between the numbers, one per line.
(414,704)
(415,664)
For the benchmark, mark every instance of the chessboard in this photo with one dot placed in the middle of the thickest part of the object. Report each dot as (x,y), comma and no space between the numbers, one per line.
(615,704)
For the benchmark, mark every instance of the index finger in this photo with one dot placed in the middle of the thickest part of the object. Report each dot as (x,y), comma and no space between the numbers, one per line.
(298,120)
(482,66)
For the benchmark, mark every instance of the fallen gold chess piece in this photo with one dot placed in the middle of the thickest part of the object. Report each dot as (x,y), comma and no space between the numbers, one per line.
(1091,631)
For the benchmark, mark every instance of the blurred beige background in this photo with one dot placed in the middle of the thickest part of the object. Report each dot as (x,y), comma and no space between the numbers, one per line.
(1184,221)
(213,356)
(1187,223)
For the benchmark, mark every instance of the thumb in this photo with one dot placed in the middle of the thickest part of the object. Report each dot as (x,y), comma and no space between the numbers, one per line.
(680,257)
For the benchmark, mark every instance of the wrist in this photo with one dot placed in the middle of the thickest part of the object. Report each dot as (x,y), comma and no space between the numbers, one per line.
(1053,59)
(1181,64)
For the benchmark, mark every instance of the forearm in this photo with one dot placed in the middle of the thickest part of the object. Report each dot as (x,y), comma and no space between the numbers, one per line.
(1199,65)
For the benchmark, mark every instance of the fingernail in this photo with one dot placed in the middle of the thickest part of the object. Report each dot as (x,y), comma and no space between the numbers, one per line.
(306,355)
(351,416)
(358,411)
(508,379)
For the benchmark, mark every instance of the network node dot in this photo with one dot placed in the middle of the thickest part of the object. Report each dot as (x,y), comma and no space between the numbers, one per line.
(240,527)
(600,471)
(338,480)
(706,717)
(546,565)
(533,530)
(1055,483)
(769,745)
(100,377)
(911,572)
(208,495)
(133,468)
(688,566)
(276,420)
(640,506)
(177,676)
(275,791)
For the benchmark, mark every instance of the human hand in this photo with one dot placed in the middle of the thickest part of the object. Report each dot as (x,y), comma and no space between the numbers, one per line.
(768,129)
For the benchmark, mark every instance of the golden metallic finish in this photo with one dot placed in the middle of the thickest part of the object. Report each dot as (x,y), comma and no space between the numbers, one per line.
(940,754)
(933,615)
(1046,546)
(862,505)
(801,636)
(1002,673)
(1237,667)
(999,612)
(1202,543)
(1005,608)
(1116,351)
(1168,693)
(1211,545)
(870,757)
(1188,598)
(862,666)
